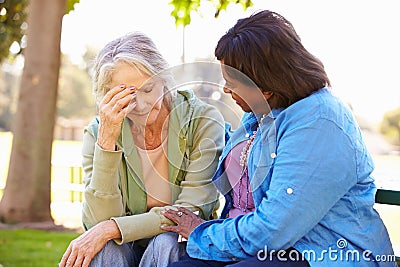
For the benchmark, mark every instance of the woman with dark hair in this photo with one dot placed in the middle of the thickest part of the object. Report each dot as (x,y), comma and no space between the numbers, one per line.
(296,174)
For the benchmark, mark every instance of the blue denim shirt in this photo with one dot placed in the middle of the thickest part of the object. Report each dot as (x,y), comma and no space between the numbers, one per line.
(311,178)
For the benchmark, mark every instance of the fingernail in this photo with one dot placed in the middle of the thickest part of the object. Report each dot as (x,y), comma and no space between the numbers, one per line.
(132,88)
(122,86)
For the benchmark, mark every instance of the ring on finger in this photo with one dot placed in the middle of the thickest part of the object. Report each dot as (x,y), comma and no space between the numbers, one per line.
(179,213)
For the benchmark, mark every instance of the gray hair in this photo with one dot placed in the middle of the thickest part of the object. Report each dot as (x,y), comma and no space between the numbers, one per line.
(135,49)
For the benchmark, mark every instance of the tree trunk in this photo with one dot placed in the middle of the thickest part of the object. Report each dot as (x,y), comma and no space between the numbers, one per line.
(27,193)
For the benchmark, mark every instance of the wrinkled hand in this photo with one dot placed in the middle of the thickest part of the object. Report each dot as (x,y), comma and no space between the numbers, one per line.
(186,222)
(82,249)
(112,110)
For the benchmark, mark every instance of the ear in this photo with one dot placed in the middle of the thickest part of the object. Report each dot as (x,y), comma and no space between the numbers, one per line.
(267,95)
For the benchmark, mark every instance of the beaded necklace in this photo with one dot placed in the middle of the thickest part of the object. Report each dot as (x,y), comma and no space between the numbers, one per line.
(244,173)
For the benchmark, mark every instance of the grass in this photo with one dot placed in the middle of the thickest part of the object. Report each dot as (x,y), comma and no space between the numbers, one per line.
(25,247)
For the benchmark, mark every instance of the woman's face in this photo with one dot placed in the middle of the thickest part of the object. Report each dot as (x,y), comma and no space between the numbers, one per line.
(145,108)
(249,98)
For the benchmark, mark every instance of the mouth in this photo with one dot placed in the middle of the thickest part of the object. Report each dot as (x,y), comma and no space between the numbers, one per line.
(139,114)
(237,101)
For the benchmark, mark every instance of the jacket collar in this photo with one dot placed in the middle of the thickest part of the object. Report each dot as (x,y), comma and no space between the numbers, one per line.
(179,120)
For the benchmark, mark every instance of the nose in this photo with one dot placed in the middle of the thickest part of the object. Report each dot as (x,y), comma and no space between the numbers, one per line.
(140,104)
(227,90)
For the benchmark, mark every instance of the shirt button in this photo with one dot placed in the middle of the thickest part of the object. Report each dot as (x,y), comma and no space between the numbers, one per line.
(247,134)
(273,155)
(289,191)
(234,259)
(220,157)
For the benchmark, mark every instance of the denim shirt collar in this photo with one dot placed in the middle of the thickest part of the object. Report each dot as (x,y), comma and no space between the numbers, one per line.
(249,123)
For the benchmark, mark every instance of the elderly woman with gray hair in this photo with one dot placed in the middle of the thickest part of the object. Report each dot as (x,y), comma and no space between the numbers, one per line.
(150,148)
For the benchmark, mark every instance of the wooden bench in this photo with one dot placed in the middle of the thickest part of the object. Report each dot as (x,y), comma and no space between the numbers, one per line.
(389,197)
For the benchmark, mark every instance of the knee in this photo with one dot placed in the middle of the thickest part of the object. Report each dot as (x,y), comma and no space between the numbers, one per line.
(112,247)
(112,252)
(163,249)
(165,240)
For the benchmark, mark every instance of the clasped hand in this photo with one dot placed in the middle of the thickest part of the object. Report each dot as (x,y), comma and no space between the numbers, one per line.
(186,221)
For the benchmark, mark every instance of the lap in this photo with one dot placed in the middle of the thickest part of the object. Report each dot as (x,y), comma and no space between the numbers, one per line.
(162,249)
(121,255)
(187,261)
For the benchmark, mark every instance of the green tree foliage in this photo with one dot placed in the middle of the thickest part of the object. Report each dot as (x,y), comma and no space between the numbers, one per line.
(13,28)
(390,126)
(13,24)
(9,83)
(75,98)
(13,18)
(71,5)
(183,8)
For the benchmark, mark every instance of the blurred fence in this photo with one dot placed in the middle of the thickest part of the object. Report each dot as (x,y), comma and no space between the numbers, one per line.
(73,185)
(67,184)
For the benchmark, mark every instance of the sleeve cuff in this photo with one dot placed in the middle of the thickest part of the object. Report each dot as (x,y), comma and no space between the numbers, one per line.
(138,226)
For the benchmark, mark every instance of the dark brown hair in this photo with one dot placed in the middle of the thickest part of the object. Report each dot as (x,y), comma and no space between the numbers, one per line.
(266,48)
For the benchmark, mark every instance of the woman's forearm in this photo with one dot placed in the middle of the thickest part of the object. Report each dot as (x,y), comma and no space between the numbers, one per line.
(103,198)
(111,230)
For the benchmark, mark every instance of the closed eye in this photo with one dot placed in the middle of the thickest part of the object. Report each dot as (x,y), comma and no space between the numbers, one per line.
(147,88)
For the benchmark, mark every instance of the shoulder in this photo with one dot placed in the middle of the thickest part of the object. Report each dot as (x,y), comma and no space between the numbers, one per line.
(188,99)
(195,116)
(320,115)
(189,104)
(93,126)
(321,105)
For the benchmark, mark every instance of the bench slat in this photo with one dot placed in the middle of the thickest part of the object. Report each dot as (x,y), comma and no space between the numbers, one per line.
(390,197)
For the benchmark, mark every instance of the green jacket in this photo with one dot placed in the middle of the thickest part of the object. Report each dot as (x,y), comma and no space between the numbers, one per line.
(114,187)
